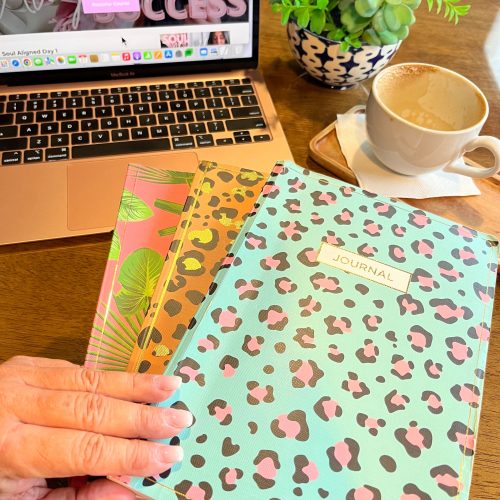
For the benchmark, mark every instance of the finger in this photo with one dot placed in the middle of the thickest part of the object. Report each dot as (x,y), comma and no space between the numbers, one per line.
(39,362)
(101,489)
(33,451)
(128,386)
(21,488)
(101,414)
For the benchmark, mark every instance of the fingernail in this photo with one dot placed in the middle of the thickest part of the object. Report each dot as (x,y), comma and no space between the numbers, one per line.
(167,383)
(180,418)
(170,454)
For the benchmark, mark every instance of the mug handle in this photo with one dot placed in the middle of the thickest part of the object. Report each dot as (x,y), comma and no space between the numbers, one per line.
(483,141)
(359,108)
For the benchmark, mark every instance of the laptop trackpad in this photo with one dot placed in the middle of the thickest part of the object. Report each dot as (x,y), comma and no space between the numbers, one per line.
(95,186)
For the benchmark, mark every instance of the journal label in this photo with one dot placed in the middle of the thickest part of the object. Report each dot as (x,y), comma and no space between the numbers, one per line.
(364,267)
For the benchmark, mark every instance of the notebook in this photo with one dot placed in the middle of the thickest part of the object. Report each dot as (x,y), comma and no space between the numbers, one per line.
(150,209)
(350,366)
(87,87)
(220,199)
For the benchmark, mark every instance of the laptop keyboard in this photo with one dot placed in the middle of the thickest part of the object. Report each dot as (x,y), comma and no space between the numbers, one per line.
(61,125)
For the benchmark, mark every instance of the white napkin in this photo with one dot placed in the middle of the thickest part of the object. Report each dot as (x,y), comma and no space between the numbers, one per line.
(373,176)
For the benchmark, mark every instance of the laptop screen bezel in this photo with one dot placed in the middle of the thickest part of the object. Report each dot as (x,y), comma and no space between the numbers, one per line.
(140,70)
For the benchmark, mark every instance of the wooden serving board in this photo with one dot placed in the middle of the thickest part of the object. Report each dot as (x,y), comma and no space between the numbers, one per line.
(477,212)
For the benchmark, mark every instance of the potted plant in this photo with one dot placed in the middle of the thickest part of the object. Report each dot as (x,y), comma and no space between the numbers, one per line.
(342,42)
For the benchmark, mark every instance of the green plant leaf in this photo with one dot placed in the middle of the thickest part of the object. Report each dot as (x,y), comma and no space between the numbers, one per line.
(132,208)
(302,17)
(336,35)
(160,176)
(285,14)
(114,251)
(322,4)
(138,276)
(371,38)
(169,206)
(317,23)
(344,46)
(167,231)
(366,8)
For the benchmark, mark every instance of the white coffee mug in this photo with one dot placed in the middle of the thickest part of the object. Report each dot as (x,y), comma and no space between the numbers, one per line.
(421,118)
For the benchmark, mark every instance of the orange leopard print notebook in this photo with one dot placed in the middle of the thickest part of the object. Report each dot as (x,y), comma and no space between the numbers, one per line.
(221,196)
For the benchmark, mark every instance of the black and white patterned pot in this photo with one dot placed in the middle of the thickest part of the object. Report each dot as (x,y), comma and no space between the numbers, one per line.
(323,60)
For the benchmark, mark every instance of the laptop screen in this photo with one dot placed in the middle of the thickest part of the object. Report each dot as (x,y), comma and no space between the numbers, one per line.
(85,35)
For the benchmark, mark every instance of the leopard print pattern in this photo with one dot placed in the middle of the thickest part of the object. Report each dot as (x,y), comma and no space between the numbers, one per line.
(309,382)
(221,196)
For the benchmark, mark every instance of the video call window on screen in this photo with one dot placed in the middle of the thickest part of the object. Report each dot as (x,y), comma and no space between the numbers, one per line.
(65,16)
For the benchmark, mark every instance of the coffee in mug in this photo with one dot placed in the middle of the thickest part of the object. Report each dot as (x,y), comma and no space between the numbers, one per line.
(421,118)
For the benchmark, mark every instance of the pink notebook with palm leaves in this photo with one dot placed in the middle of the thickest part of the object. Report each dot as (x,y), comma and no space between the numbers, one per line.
(152,202)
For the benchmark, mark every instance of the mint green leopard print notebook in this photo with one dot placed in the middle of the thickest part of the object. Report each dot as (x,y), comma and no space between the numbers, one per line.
(339,354)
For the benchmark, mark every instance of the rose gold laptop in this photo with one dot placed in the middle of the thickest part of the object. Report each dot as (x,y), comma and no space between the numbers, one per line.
(89,86)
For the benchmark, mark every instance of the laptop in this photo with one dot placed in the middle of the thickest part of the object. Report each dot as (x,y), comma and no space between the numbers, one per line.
(89,86)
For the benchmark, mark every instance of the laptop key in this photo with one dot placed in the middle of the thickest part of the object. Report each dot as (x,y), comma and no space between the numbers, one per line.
(49,128)
(178,106)
(80,138)
(13,144)
(167,95)
(90,125)
(116,148)
(100,136)
(178,130)
(11,158)
(232,101)
(35,105)
(176,85)
(232,81)
(159,107)
(149,97)
(193,85)
(140,109)
(120,135)
(147,120)
(15,107)
(119,90)
(215,102)
(219,91)
(130,98)
(54,154)
(99,91)
(104,112)
(59,140)
(61,114)
(123,110)
(55,103)
(79,93)
(196,104)
(197,128)
(246,80)
(246,112)
(31,129)
(18,97)
(140,133)
(24,117)
(38,95)
(203,92)
(204,140)
(186,116)
(261,137)
(245,124)
(70,126)
(183,142)
(243,138)
(75,102)
(221,114)
(167,118)
(8,131)
(157,86)
(59,93)
(84,113)
(224,141)
(248,100)
(213,83)
(112,100)
(184,94)
(33,155)
(47,116)
(128,121)
(241,89)
(107,123)
(39,142)
(216,126)
(6,119)
(161,131)
(203,115)
(138,88)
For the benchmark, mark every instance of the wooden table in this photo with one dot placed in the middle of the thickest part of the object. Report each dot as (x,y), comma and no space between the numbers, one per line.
(48,290)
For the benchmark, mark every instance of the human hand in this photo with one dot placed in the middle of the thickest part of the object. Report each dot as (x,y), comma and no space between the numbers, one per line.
(58,420)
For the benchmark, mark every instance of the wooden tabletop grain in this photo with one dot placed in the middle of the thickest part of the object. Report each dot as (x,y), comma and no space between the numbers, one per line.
(49,290)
